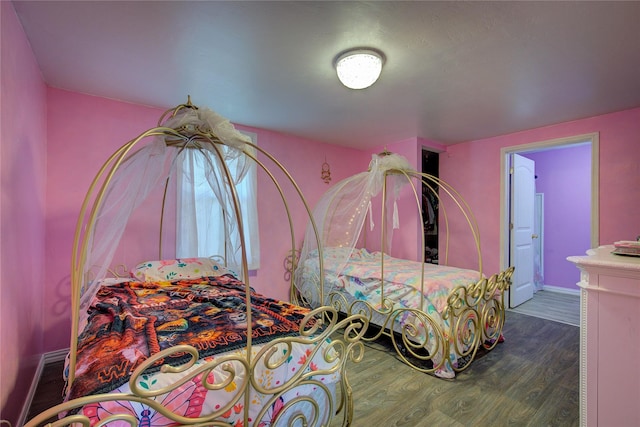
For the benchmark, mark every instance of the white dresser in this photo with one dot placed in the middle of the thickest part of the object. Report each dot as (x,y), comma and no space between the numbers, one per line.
(609,338)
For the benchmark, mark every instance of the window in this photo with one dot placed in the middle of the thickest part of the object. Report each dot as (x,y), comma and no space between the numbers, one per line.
(200,215)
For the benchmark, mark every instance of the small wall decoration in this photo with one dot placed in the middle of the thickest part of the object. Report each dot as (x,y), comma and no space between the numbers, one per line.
(325,174)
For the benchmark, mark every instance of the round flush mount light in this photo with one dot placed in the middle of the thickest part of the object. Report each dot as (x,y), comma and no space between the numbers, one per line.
(359,68)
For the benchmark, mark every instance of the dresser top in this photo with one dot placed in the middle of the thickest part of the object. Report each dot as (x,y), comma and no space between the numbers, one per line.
(602,257)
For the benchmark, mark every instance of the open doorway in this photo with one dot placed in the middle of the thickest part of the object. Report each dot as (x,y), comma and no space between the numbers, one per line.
(570,187)
(430,204)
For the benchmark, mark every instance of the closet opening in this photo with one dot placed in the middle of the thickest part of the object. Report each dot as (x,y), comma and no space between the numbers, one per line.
(430,165)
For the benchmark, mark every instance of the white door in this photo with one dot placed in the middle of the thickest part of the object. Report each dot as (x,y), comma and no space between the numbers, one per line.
(522,228)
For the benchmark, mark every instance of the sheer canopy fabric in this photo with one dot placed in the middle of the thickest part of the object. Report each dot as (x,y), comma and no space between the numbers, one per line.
(152,160)
(342,212)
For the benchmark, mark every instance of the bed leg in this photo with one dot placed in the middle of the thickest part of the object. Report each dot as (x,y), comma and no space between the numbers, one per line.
(348,409)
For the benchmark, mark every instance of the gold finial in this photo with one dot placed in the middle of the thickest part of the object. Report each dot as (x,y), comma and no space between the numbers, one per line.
(385,152)
(173,111)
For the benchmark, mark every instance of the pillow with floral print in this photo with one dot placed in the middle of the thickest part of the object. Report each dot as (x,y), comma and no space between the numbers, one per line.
(177,269)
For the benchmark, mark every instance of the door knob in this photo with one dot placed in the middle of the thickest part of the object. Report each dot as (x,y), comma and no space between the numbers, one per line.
(534,236)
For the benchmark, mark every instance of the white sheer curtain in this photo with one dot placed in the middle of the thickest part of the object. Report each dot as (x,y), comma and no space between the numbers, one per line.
(202,210)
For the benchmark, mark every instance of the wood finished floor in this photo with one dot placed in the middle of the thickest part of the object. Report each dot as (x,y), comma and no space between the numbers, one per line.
(529,380)
(556,306)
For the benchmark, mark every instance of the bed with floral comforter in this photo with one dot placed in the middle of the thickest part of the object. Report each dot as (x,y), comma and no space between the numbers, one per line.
(399,296)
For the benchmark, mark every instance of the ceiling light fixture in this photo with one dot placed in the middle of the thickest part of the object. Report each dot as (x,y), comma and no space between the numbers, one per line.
(359,68)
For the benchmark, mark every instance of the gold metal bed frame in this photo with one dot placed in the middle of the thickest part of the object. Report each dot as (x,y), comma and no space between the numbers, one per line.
(475,313)
(341,337)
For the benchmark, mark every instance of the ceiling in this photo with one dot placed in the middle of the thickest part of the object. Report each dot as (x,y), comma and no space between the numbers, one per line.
(455,71)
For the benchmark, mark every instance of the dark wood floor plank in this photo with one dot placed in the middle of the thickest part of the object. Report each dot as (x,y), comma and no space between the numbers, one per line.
(49,390)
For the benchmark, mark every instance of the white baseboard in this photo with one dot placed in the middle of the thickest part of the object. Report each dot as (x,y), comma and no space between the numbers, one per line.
(560,290)
(55,356)
(45,358)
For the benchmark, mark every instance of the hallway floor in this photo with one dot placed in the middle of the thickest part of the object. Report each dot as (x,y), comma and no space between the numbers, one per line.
(556,306)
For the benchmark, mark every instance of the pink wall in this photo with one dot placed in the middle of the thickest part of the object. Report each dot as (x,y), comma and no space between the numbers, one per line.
(407,242)
(406,239)
(22,213)
(83,131)
(83,145)
(303,159)
(473,168)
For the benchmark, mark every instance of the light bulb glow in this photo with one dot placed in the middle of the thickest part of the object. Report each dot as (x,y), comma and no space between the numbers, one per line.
(359,69)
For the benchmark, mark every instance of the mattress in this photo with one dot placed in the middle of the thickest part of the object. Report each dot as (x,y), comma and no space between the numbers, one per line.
(129,320)
(359,278)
